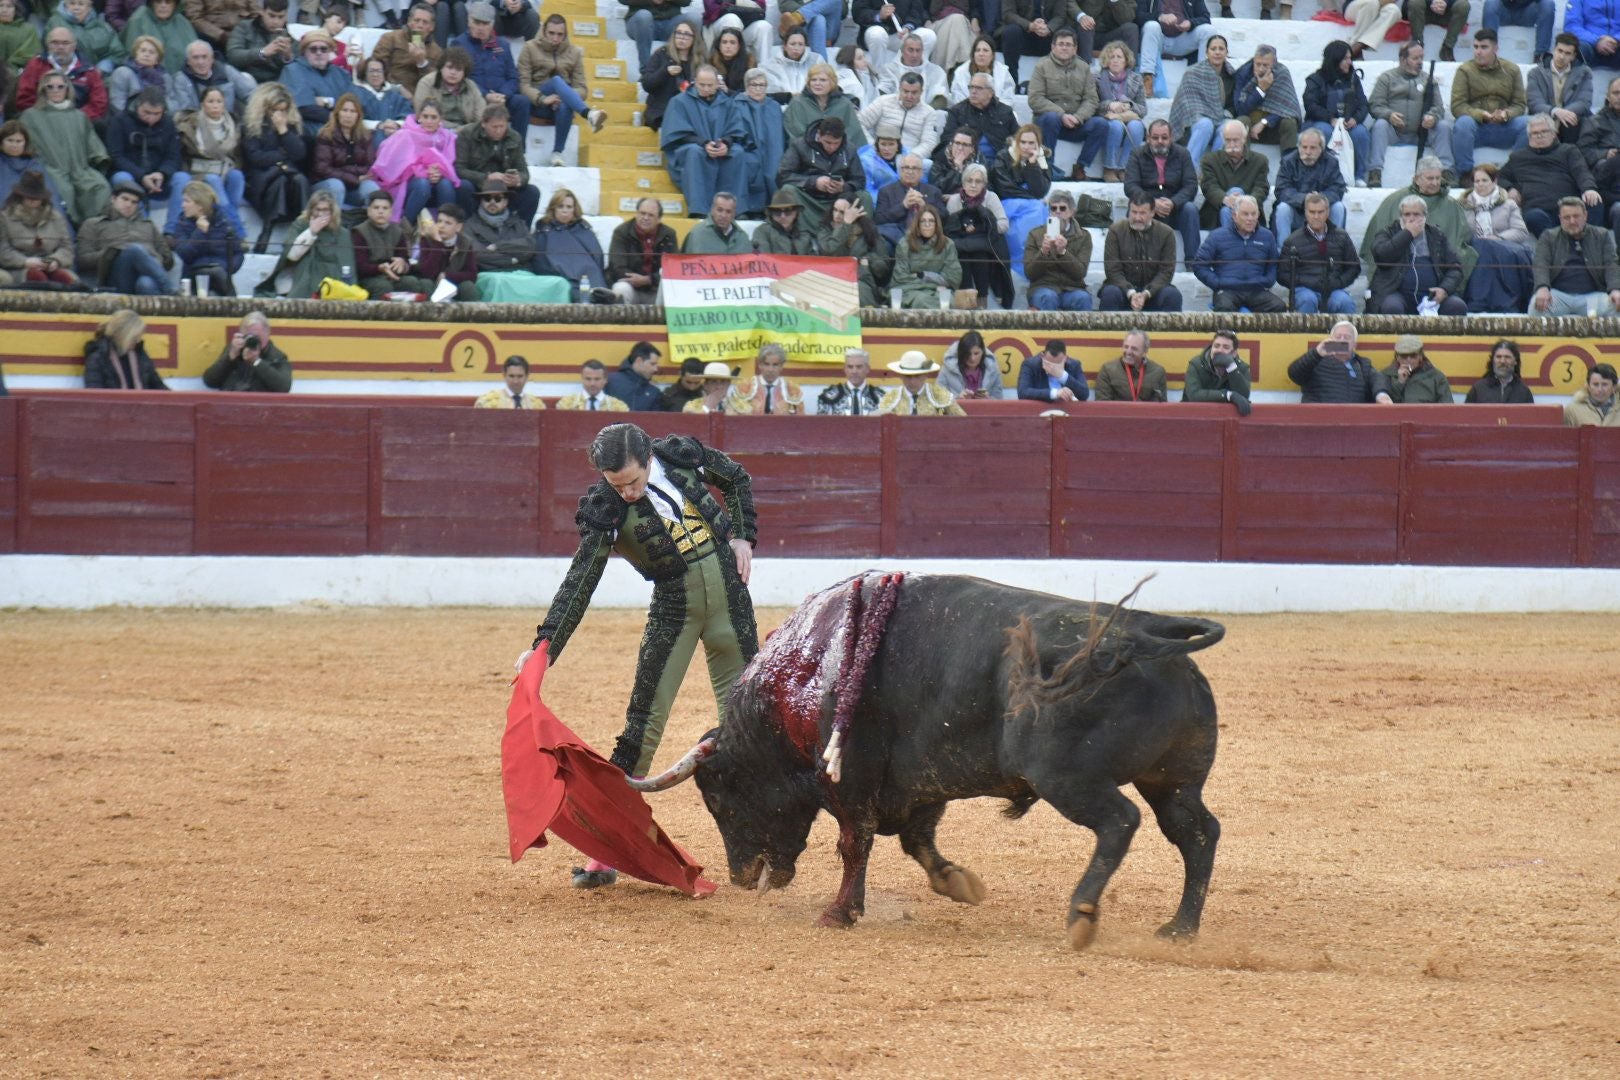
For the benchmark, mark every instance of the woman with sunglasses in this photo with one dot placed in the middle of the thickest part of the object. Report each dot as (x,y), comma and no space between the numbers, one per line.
(73,154)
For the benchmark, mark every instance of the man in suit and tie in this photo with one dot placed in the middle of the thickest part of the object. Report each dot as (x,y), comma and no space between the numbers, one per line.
(593,395)
(855,396)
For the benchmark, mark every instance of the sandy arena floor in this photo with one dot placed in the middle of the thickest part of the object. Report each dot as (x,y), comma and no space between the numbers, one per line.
(273,844)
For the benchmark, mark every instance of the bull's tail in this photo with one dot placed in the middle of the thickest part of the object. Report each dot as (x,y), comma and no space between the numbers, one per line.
(1156,636)
(1114,643)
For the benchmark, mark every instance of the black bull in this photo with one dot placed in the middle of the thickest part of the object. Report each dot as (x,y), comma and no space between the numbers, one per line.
(974,689)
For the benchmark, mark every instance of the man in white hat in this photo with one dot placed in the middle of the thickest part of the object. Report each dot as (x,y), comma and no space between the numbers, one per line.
(717,380)
(918,394)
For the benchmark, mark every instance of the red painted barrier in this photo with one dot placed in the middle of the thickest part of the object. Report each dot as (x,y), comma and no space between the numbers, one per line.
(177,474)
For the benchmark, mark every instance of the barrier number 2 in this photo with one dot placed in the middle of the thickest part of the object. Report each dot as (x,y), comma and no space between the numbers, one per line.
(468,352)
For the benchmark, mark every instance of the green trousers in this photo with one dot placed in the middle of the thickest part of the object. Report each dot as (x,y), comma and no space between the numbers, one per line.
(682,614)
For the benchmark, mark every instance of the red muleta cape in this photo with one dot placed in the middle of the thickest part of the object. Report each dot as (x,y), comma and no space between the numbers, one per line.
(554,782)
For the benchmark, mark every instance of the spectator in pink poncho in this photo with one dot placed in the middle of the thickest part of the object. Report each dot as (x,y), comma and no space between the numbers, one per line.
(416,164)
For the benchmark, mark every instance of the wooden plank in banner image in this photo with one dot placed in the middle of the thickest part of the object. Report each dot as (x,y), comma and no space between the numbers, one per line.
(818,294)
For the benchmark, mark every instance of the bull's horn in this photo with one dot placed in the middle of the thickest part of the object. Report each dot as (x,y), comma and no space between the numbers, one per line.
(681,771)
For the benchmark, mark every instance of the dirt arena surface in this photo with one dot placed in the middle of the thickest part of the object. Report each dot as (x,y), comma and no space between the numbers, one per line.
(273,844)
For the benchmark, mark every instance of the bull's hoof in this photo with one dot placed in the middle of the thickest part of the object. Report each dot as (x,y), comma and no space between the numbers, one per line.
(837,918)
(1082,926)
(1174,931)
(960,884)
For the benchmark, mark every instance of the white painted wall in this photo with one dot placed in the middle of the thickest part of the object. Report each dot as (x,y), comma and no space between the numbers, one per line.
(80,582)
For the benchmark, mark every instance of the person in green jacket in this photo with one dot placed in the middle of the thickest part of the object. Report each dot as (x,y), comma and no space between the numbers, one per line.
(19,38)
(719,233)
(97,39)
(250,360)
(1413,380)
(654,506)
(74,156)
(822,98)
(1218,374)
(318,247)
(1445,214)
(924,261)
(161,19)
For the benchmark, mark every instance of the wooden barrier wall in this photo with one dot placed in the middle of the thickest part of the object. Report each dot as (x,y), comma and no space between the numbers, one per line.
(183,474)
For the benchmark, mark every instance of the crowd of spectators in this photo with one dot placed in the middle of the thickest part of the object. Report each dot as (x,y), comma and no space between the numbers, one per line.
(901,150)
(1329,372)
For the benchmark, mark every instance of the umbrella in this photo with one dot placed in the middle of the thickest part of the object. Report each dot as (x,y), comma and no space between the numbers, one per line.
(554,782)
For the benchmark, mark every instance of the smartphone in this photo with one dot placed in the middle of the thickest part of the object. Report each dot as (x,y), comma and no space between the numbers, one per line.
(1336,350)
(1053,227)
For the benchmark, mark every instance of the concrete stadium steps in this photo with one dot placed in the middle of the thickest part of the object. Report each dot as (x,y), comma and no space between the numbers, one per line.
(610,156)
(639,182)
(611,89)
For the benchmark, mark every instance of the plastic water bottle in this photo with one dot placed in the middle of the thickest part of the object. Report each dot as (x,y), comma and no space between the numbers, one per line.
(584,287)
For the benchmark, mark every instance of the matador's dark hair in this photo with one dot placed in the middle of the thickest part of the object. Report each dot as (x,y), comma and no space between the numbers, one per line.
(616,445)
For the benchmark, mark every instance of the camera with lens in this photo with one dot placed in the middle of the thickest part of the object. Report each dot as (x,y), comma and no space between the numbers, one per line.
(251,342)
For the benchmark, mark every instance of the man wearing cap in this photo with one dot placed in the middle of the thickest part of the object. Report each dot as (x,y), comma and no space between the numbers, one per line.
(681,514)
(1132,375)
(719,234)
(687,387)
(493,68)
(593,395)
(855,396)
(1412,379)
(511,396)
(818,167)
(918,394)
(313,80)
(702,139)
(501,239)
(769,393)
(782,234)
(636,250)
(715,397)
(1051,375)
(121,249)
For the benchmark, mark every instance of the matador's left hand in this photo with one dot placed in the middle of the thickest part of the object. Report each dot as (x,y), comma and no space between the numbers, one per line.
(745,558)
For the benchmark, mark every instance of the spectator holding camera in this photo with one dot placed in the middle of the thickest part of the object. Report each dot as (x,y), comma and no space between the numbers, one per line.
(1333,373)
(250,360)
